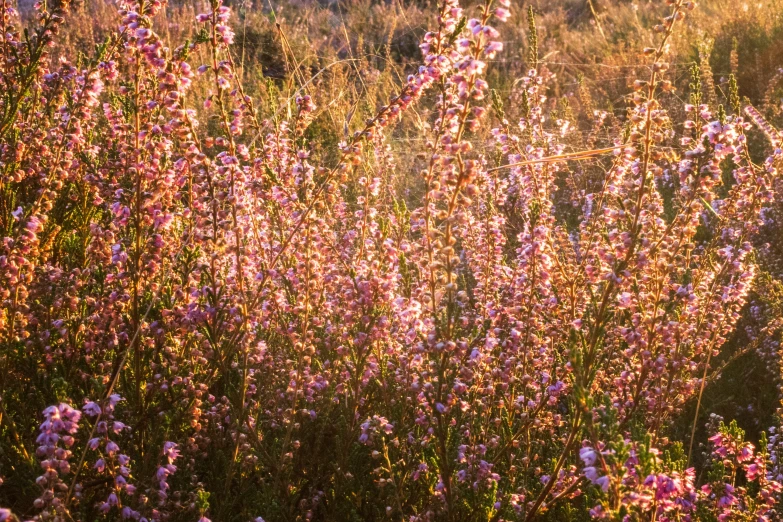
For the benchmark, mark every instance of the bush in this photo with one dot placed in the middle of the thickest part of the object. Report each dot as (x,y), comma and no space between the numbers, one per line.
(233,296)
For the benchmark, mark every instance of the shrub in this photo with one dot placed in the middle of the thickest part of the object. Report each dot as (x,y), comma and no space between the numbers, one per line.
(226,316)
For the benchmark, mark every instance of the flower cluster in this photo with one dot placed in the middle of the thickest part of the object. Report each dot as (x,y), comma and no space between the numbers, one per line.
(54,443)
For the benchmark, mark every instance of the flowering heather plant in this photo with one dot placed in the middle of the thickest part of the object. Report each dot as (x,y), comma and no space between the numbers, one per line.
(206,318)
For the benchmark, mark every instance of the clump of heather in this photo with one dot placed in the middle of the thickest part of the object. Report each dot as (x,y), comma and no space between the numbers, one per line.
(205,316)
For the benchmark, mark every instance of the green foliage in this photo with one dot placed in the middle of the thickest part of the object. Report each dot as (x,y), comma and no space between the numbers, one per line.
(734,99)
(695,85)
(532,39)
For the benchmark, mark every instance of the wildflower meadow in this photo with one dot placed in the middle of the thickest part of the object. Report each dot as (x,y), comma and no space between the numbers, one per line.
(366,260)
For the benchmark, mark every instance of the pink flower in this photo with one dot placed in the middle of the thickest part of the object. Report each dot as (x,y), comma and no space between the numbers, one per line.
(502,14)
